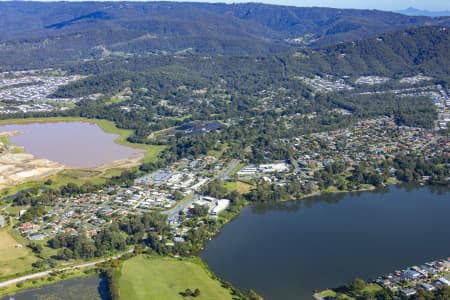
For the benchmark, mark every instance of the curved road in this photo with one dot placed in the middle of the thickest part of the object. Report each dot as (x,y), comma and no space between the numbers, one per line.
(46,273)
(171,214)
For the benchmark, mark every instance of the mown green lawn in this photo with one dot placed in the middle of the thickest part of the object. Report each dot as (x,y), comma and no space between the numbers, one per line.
(13,260)
(239,186)
(332,294)
(327,293)
(372,288)
(164,278)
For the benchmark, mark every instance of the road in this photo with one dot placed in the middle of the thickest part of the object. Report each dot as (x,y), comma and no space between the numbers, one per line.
(171,213)
(46,273)
(231,166)
(174,212)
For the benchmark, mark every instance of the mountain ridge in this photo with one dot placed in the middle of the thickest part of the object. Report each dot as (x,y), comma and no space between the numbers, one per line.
(56,32)
(412,11)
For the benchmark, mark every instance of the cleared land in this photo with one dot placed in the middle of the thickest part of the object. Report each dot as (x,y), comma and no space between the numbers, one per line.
(370,289)
(22,171)
(164,278)
(239,186)
(13,260)
(17,168)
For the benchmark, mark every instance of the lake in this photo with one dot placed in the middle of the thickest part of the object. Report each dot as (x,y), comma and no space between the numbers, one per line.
(74,144)
(288,250)
(91,288)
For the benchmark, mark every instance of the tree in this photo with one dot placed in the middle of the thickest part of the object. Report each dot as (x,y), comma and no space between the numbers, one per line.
(384,294)
(177,195)
(36,248)
(423,295)
(201,210)
(342,297)
(187,293)
(196,292)
(38,264)
(357,285)
(443,293)
(253,295)
(375,179)
(215,189)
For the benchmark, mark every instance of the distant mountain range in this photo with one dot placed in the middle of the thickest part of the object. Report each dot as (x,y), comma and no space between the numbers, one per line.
(402,53)
(411,11)
(56,32)
(416,50)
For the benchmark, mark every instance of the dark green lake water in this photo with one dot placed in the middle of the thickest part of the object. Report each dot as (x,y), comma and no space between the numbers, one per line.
(91,288)
(288,250)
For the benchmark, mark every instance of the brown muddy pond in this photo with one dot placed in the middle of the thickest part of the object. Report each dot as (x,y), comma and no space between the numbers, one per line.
(74,144)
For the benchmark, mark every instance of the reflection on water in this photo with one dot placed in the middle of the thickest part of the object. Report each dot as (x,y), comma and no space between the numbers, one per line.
(288,250)
(336,198)
(75,144)
(92,288)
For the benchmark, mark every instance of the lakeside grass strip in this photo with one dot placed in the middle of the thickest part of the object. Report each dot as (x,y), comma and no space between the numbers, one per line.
(151,151)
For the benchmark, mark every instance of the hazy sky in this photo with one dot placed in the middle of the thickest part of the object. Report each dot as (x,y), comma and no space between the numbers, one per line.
(375,4)
(432,5)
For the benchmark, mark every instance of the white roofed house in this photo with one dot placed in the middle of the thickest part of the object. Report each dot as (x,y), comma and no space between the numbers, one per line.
(444,281)
(209,199)
(272,168)
(221,205)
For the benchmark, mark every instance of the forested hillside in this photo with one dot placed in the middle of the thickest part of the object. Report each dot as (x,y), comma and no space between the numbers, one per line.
(423,49)
(261,92)
(257,95)
(403,53)
(35,34)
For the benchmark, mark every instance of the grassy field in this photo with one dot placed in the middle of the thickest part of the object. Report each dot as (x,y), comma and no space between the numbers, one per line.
(152,151)
(76,176)
(42,120)
(151,154)
(333,294)
(217,153)
(164,278)
(50,280)
(239,186)
(13,260)
(6,142)
(372,288)
(327,293)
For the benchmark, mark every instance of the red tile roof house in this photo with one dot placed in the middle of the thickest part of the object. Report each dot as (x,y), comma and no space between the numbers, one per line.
(28,227)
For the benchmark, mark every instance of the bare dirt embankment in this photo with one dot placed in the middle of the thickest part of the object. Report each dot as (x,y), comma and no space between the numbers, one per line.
(121,163)
(17,168)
